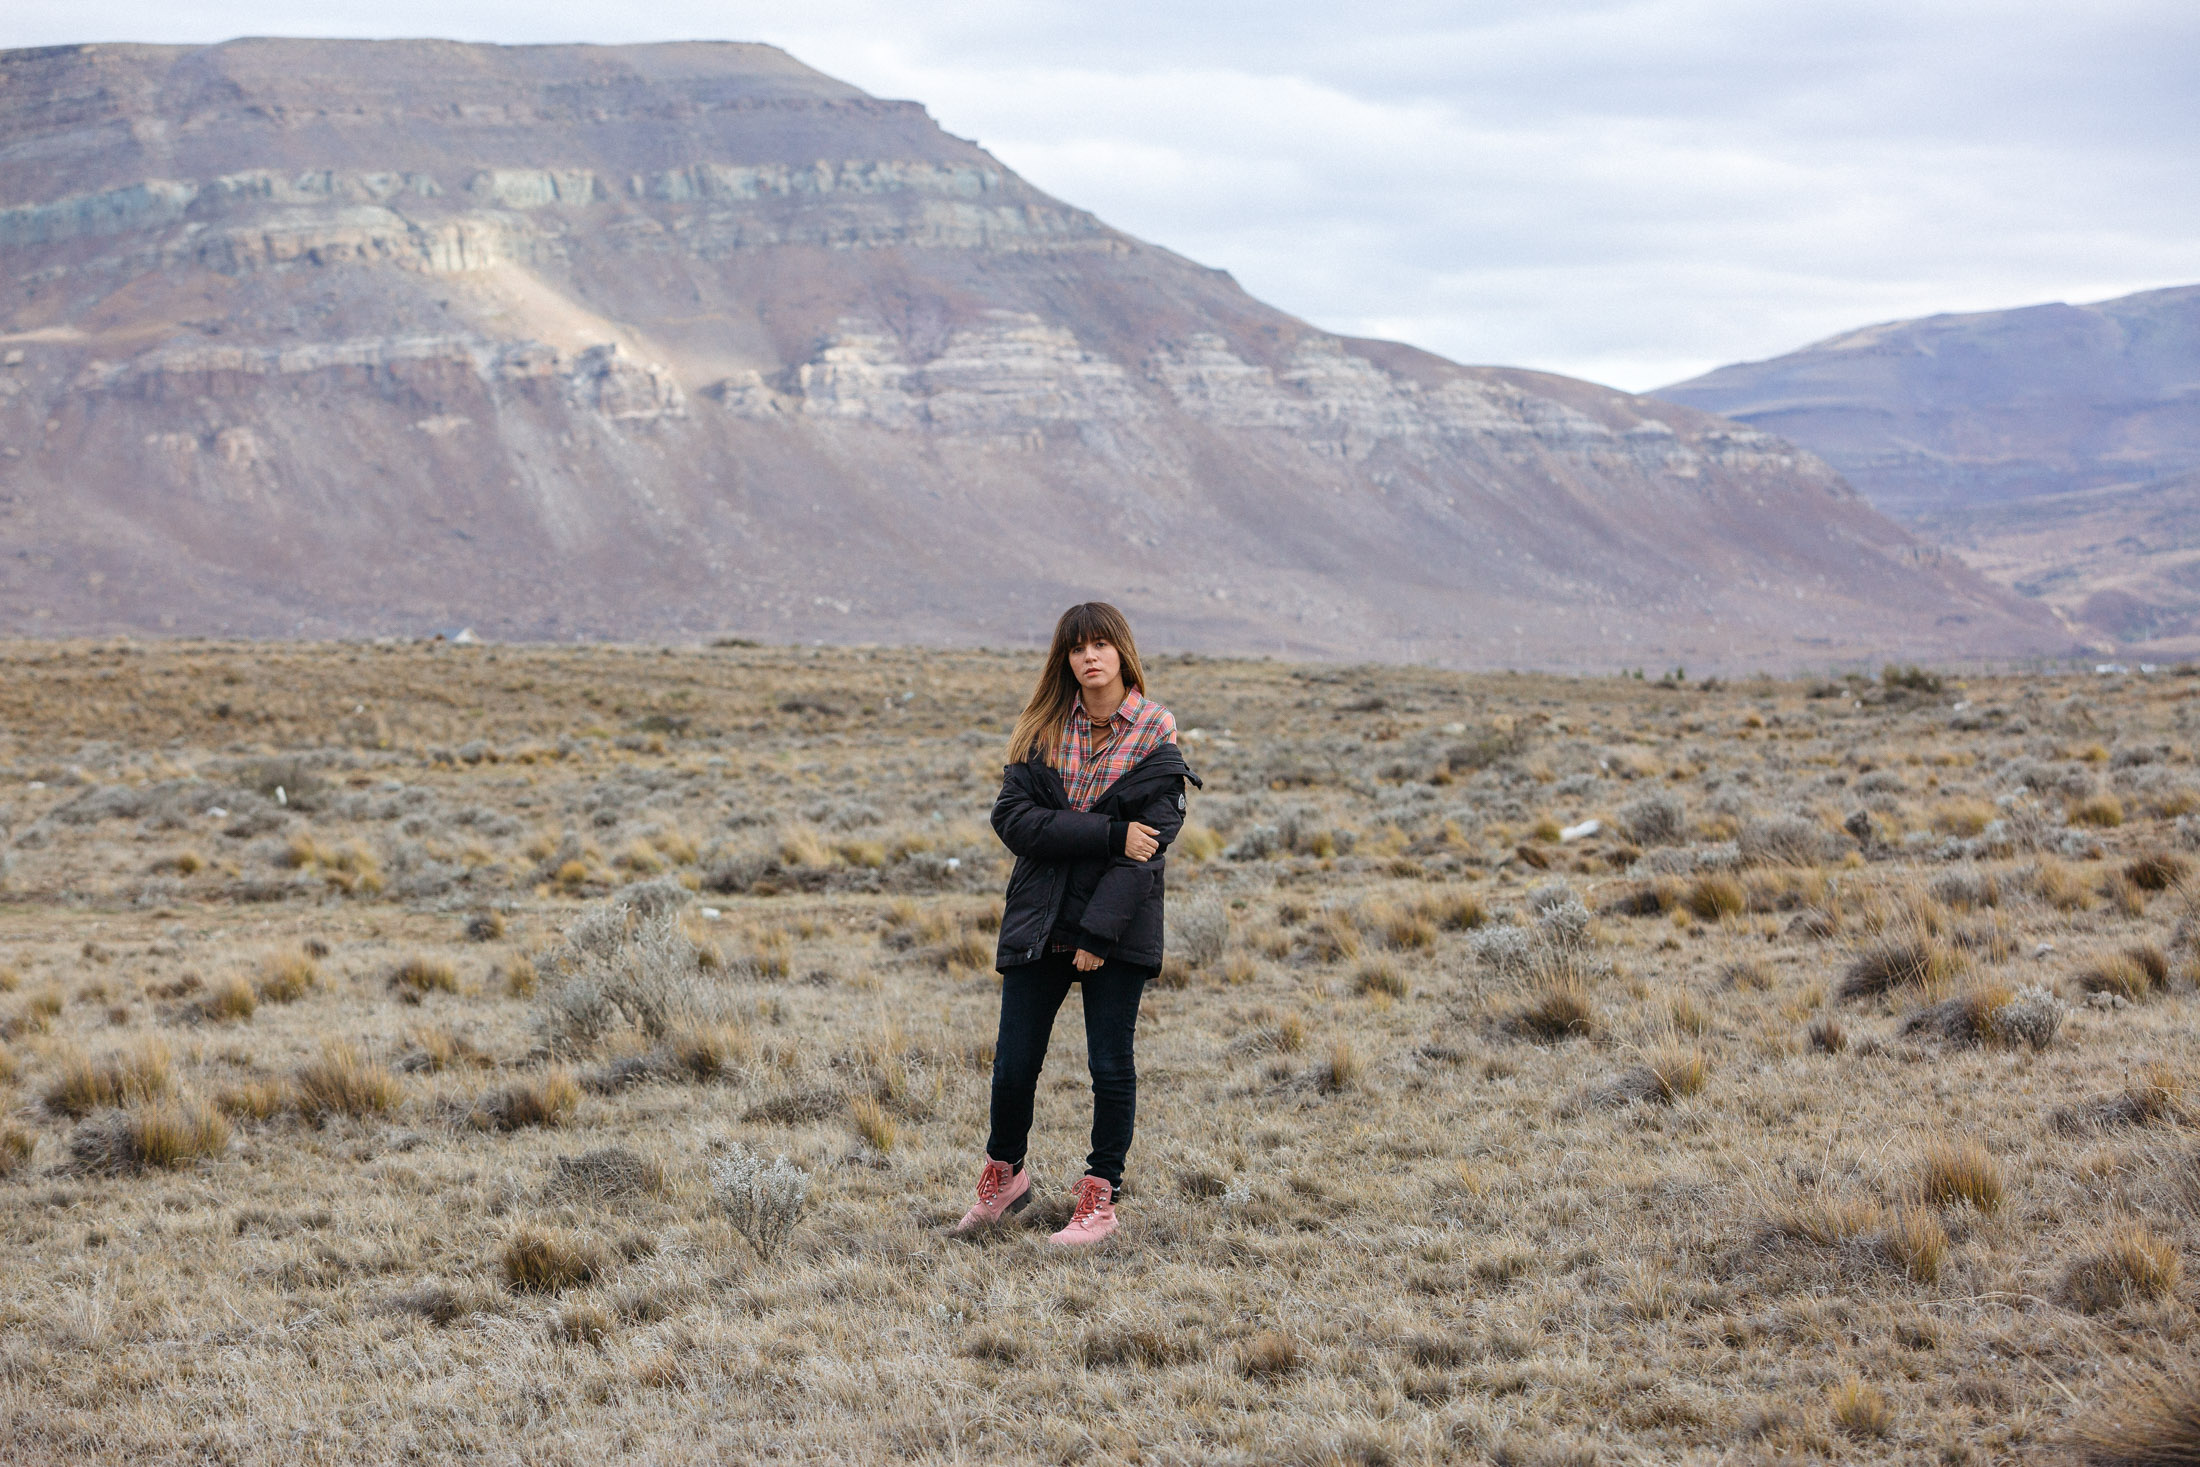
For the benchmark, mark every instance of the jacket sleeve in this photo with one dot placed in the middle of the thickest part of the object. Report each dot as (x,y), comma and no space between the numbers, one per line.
(1033,830)
(1126,884)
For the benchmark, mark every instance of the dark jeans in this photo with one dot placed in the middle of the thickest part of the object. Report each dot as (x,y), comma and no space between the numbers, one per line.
(1030,996)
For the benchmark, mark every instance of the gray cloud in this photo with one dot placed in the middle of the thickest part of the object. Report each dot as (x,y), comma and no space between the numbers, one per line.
(1630,190)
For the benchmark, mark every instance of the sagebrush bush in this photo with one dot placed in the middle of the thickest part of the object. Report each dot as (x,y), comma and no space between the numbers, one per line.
(764,1201)
(419,976)
(618,967)
(1199,930)
(1654,820)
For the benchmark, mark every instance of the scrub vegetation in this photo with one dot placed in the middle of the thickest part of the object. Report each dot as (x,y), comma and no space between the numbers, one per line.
(576,1055)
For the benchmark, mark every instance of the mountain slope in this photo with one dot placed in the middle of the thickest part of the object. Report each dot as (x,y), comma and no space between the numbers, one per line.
(1947,412)
(342,337)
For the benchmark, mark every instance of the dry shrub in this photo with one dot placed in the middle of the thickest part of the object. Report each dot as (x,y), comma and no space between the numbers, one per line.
(1827,1036)
(342,1081)
(1861,1409)
(153,1134)
(1654,820)
(1959,1172)
(1787,840)
(287,978)
(85,1085)
(548,1099)
(16,1148)
(2135,1263)
(418,976)
(1269,1355)
(1239,969)
(1917,1243)
(254,1100)
(2103,812)
(2155,1424)
(1903,960)
(549,1261)
(1380,975)
(1688,1013)
(995,1346)
(485,926)
(228,1000)
(1714,896)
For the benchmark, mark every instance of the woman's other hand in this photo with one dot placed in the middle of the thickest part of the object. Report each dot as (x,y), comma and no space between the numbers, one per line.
(1141,841)
(1085,962)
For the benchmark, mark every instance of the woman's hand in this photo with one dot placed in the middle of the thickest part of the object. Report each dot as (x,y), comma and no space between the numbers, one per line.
(1141,841)
(1085,962)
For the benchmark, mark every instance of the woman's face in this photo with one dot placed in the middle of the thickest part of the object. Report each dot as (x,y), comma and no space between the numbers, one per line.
(1095,664)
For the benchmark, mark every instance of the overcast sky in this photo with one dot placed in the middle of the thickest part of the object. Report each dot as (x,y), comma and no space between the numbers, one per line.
(1632,192)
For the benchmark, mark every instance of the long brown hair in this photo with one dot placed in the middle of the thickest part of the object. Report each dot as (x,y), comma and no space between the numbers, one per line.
(1039,727)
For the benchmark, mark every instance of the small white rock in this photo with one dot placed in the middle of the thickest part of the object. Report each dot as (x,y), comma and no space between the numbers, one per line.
(1582,831)
(36,784)
(954,863)
(2043,950)
(711,914)
(216,812)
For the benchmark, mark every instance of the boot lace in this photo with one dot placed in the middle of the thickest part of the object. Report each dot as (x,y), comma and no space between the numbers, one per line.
(991,1180)
(1092,1195)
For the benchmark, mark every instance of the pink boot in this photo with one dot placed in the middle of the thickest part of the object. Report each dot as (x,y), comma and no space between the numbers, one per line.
(1094,1219)
(1001,1190)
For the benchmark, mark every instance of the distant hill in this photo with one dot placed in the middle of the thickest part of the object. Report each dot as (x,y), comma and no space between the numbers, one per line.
(2055,446)
(1951,411)
(335,338)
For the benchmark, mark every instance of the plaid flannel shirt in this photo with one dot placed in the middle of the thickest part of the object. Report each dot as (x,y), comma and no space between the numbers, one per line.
(1088,767)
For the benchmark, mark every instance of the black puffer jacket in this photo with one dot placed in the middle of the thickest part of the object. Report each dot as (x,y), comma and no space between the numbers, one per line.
(1071,875)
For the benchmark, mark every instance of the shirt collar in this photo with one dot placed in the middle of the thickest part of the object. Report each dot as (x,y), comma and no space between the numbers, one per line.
(1126,712)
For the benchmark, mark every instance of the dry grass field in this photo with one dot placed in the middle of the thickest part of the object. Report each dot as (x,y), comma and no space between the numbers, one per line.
(398,1041)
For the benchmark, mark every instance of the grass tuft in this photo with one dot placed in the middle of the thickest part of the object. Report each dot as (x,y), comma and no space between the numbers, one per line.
(155,1134)
(2135,1263)
(1901,961)
(1269,1355)
(1861,1409)
(85,1085)
(547,1100)
(547,1261)
(287,978)
(420,976)
(1955,1173)
(342,1081)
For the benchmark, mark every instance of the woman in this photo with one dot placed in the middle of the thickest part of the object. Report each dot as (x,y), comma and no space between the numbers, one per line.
(1092,796)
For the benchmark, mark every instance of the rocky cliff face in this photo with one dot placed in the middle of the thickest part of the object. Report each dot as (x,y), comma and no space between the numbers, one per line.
(339,338)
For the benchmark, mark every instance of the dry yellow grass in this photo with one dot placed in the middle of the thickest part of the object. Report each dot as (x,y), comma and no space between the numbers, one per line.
(1690,1210)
